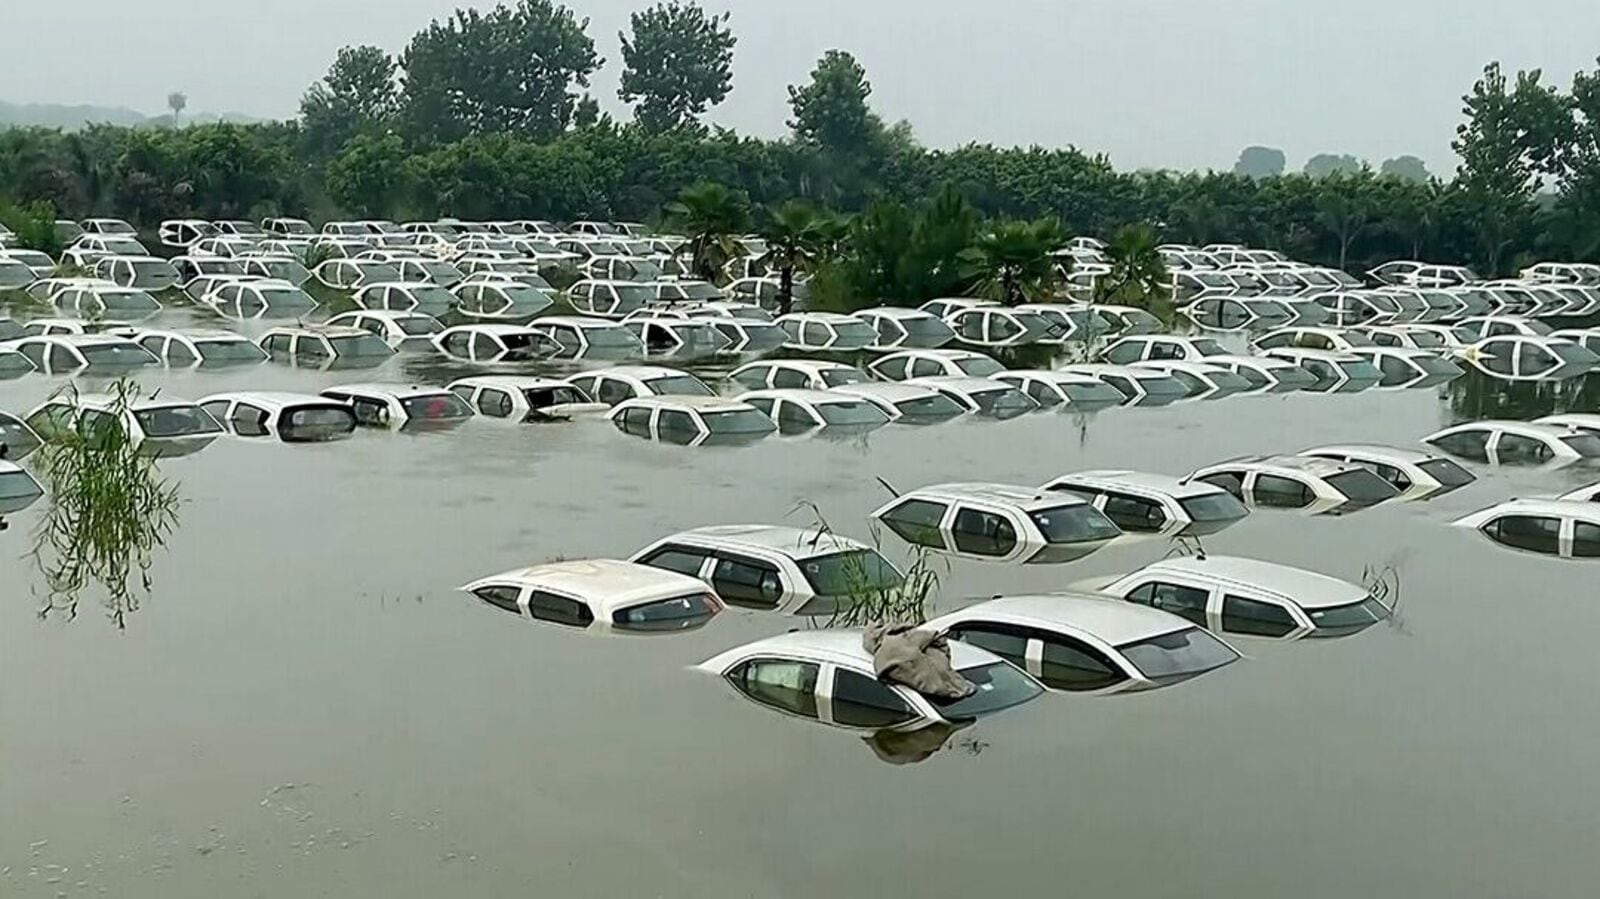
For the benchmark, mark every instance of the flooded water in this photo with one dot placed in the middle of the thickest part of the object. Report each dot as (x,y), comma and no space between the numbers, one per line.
(306,706)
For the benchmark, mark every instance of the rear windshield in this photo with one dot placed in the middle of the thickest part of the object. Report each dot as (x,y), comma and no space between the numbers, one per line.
(679,385)
(176,421)
(360,345)
(1362,486)
(436,407)
(850,572)
(858,412)
(1355,615)
(999,686)
(307,423)
(1092,393)
(1586,445)
(116,354)
(739,421)
(1179,655)
(980,366)
(215,351)
(1078,523)
(418,326)
(934,406)
(1001,402)
(1220,506)
(675,614)
(839,377)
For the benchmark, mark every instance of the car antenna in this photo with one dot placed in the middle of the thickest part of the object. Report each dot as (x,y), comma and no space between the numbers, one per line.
(887,486)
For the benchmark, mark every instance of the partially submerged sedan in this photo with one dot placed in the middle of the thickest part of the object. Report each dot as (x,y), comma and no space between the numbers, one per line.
(401,330)
(906,403)
(1335,371)
(1312,485)
(142,272)
(807,374)
(826,332)
(1062,389)
(525,399)
(828,676)
(1236,595)
(68,353)
(981,396)
(402,406)
(998,523)
(1133,385)
(200,349)
(1080,643)
(898,327)
(801,411)
(907,364)
(602,595)
(1516,443)
(691,420)
(1140,502)
(583,337)
(624,382)
(325,347)
(1201,380)
(289,417)
(1417,475)
(801,571)
(495,343)
(155,426)
(1561,528)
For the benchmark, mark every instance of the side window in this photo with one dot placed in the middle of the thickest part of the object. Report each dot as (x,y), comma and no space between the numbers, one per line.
(1231,481)
(922,368)
(370,412)
(153,344)
(178,354)
(1133,514)
(1395,369)
(61,359)
(793,417)
(970,326)
(217,409)
(501,597)
(1389,473)
(1517,448)
(682,559)
(307,347)
(1535,534)
(754,377)
(1186,602)
(893,369)
(1466,444)
(788,377)
(1164,350)
(1003,640)
(613,391)
(249,421)
(35,354)
(635,421)
(1001,327)
(559,610)
(484,347)
(1069,664)
(1261,619)
(747,582)
(494,403)
(860,701)
(779,683)
(815,334)
(1042,393)
(763,404)
(917,521)
(458,344)
(1281,493)
(1535,359)
(983,533)
(1586,540)
(675,425)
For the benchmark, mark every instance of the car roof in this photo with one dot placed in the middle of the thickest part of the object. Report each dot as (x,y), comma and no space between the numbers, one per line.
(639,372)
(895,312)
(698,403)
(194,334)
(796,543)
(1525,428)
(1092,369)
(844,647)
(1026,498)
(886,390)
(1310,465)
(1056,375)
(800,395)
(83,339)
(1376,451)
(1590,420)
(1308,589)
(509,382)
(832,318)
(605,584)
(106,401)
(321,330)
(1584,510)
(1309,353)
(269,398)
(1115,621)
(961,384)
(946,354)
(397,391)
(1141,480)
(577,321)
(487,328)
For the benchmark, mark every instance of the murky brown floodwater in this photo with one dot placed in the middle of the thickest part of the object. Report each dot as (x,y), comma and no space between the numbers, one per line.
(306,707)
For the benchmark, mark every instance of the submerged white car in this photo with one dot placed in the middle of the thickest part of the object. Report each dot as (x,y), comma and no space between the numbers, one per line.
(1140,502)
(907,364)
(58,354)
(898,327)
(400,330)
(1516,443)
(1563,528)
(805,572)
(289,417)
(827,676)
(981,396)
(807,374)
(1133,385)
(401,406)
(1062,389)
(798,410)
(826,331)
(605,595)
(525,398)
(154,425)
(998,523)
(691,420)
(1417,475)
(1080,643)
(200,349)
(18,489)
(495,343)
(1310,484)
(624,382)
(1236,595)
(906,403)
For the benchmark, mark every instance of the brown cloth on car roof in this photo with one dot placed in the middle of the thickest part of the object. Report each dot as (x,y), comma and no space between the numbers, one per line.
(918,659)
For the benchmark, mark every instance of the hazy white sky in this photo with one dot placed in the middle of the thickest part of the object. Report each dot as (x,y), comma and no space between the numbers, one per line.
(1166,83)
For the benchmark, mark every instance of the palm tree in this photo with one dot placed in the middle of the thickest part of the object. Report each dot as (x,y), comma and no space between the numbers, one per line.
(1137,271)
(1014,259)
(794,235)
(712,217)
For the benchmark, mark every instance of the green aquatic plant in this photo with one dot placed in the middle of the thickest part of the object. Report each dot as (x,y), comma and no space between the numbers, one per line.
(109,508)
(867,598)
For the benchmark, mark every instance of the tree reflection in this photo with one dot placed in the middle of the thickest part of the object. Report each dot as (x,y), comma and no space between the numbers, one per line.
(109,509)
(1477,395)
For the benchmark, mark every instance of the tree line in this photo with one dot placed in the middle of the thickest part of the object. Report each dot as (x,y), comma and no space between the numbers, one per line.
(487,115)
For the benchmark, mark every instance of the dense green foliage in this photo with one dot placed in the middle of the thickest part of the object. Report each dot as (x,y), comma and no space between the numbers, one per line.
(482,117)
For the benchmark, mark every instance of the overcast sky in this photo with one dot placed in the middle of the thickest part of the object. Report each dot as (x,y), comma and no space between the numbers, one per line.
(1154,83)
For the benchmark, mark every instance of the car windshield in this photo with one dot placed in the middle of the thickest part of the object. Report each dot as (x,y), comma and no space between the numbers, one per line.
(176,421)
(116,354)
(850,573)
(1077,523)
(1362,486)
(1353,616)
(1219,506)
(1179,655)
(851,412)
(678,613)
(1005,401)
(738,421)
(1093,393)
(979,366)
(1585,445)
(679,385)
(999,686)
(1446,472)
(934,405)
(222,351)
(436,407)
(839,377)
(307,423)
(359,345)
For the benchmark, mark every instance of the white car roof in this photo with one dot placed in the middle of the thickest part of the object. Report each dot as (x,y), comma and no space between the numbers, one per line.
(387,391)
(486,328)
(1025,498)
(1115,621)
(1053,375)
(509,382)
(947,355)
(106,401)
(1582,510)
(800,395)
(697,403)
(1307,589)
(796,543)
(896,312)
(1584,420)
(1375,451)
(1094,369)
(316,330)
(577,321)
(1308,353)
(1112,479)
(1309,465)
(637,372)
(891,391)
(841,647)
(195,334)
(269,399)
(1524,428)
(961,384)
(831,318)
(84,339)
(606,585)
(384,315)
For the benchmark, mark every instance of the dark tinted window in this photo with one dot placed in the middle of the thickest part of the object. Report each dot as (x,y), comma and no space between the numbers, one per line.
(983,533)
(1072,665)
(860,701)
(501,597)
(747,582)
(676,426)
(779,683)
(1249,616)
(1134,514)
(1536,534)
(1282,493)
(1362,486)
(494,403)
(1586,540)
(1231,481)
(1186,602)
(1517,448)
(917,521)
(1466,444)
(682,559)
(559,609)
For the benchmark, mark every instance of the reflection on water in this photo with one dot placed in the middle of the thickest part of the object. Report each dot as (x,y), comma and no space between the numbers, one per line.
(1478,396)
